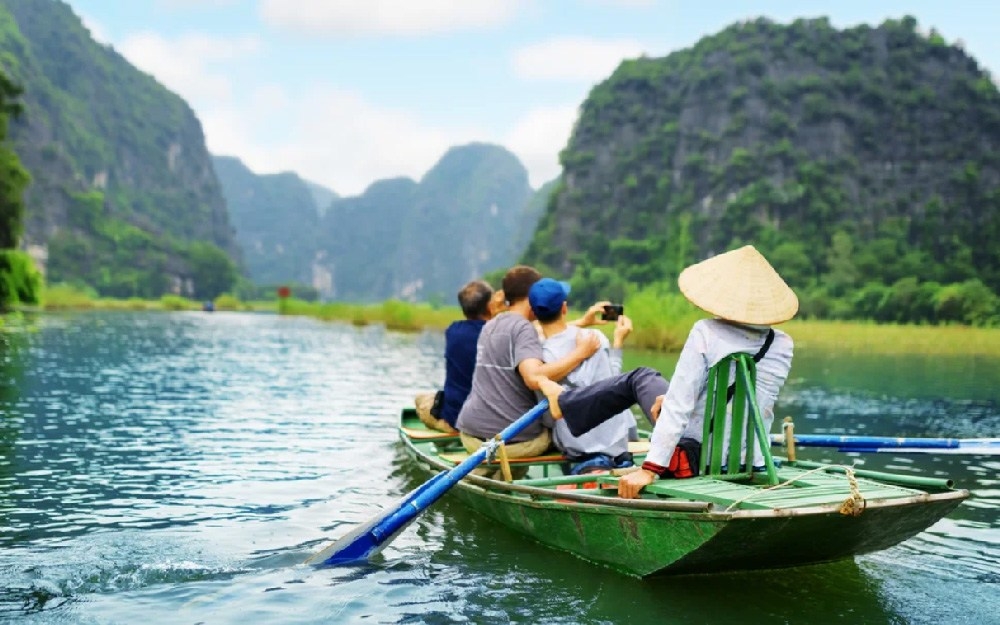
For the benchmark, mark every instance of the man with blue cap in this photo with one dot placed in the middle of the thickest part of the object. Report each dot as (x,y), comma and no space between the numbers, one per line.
(606,446)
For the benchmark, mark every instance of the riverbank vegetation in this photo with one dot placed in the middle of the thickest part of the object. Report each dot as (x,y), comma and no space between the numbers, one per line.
(62,297)
(661,320)
(662,323)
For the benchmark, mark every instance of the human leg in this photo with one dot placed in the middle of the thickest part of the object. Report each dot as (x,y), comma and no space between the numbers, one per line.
(423,403)
(525,449)
(586,407)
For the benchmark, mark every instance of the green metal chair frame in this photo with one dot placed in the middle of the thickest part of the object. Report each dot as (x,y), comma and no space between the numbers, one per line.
(745,415)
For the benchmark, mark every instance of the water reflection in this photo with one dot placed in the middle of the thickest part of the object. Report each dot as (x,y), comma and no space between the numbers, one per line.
(485,574)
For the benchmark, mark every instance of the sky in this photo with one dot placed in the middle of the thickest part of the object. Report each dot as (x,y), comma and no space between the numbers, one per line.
(347,92)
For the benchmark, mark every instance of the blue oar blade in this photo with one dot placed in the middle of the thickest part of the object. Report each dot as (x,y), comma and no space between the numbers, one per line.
(368,539)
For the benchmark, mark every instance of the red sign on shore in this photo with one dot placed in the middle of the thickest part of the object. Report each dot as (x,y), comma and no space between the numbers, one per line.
(284,291)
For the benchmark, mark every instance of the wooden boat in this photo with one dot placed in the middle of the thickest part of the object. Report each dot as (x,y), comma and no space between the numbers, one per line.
(730,517)
(700,525)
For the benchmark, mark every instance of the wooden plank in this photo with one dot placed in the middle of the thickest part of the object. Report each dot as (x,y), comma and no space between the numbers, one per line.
(704,489)
(638,448)
(458,457)
(427,434)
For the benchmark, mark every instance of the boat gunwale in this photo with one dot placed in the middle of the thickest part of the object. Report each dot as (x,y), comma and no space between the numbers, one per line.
(708,511)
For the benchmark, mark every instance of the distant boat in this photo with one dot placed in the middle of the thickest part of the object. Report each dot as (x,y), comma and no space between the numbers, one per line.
(208,306)
(707,524)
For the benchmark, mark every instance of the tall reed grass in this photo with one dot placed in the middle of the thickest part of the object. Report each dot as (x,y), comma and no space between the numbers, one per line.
(394,314)
(662,321)
(70,297)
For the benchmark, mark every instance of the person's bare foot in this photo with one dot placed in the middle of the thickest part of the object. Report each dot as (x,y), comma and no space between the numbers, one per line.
(552,391)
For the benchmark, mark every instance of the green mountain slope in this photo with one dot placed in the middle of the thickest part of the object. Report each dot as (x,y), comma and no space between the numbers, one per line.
(124,196)
(864,162)
(276,220)
(423,241)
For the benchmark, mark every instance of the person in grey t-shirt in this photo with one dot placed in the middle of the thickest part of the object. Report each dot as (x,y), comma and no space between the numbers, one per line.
(509,368)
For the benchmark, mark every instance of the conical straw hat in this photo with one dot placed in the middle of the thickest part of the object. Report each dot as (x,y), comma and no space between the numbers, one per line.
(739,286)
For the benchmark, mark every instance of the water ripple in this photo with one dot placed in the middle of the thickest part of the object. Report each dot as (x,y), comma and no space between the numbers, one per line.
(181,467)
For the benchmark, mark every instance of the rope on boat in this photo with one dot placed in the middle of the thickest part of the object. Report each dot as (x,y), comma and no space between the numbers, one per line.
(852,506)
(855,504)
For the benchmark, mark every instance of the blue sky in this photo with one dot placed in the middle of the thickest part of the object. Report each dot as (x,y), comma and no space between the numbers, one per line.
(346,92)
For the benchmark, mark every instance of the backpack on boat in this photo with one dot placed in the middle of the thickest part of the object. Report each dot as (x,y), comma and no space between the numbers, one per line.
(684,462)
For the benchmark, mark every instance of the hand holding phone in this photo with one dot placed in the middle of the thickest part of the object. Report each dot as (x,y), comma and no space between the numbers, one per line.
(612,312)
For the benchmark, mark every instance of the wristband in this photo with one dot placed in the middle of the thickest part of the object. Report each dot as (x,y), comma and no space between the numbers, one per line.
(654,468)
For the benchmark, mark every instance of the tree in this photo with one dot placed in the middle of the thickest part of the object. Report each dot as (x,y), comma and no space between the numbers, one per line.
(14,177)
(212,271)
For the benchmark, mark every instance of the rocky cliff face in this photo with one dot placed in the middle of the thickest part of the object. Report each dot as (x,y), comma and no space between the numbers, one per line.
(791,137)
(112,153)
(471,214)
(276,218)
(420,241)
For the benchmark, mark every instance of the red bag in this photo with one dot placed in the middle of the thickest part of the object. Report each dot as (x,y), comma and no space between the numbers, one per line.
(684,463)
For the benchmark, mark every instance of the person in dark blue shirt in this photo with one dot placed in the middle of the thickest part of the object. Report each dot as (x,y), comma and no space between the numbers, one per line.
(440,410)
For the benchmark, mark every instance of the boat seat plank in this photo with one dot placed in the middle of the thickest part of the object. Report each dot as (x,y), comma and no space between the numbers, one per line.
(426,434)
(458,457)
(636,447)
(834,479)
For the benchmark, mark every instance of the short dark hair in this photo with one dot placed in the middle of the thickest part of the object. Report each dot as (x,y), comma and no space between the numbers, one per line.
(474,298)
(547,318)
(517,282)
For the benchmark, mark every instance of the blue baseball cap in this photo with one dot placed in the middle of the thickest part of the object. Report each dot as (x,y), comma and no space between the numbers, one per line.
(547,297)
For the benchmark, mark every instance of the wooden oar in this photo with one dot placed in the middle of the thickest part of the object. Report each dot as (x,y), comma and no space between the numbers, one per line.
(370,538)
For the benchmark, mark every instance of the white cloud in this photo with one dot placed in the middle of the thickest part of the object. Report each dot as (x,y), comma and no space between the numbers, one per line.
(185,65)
(630,4)
(334,137)
(538,137)
(392,17)
(573,58)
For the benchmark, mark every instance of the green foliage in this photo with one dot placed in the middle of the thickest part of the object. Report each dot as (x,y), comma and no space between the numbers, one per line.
(661,318)
(118,162)
(67,296)
(14,179)
(228,302)
(970,302)
(212,271)
(825,148)
(20,281)
(176,302)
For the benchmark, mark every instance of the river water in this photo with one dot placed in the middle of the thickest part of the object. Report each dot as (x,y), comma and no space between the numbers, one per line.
(180,467)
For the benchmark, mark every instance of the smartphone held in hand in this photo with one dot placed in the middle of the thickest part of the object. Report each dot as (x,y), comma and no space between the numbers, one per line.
(612,312)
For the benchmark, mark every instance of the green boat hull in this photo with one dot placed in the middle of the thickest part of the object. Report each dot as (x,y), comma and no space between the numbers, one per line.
(646,542)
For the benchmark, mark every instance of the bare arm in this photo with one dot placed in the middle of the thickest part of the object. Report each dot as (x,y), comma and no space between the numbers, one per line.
(589,318)
(533,371)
